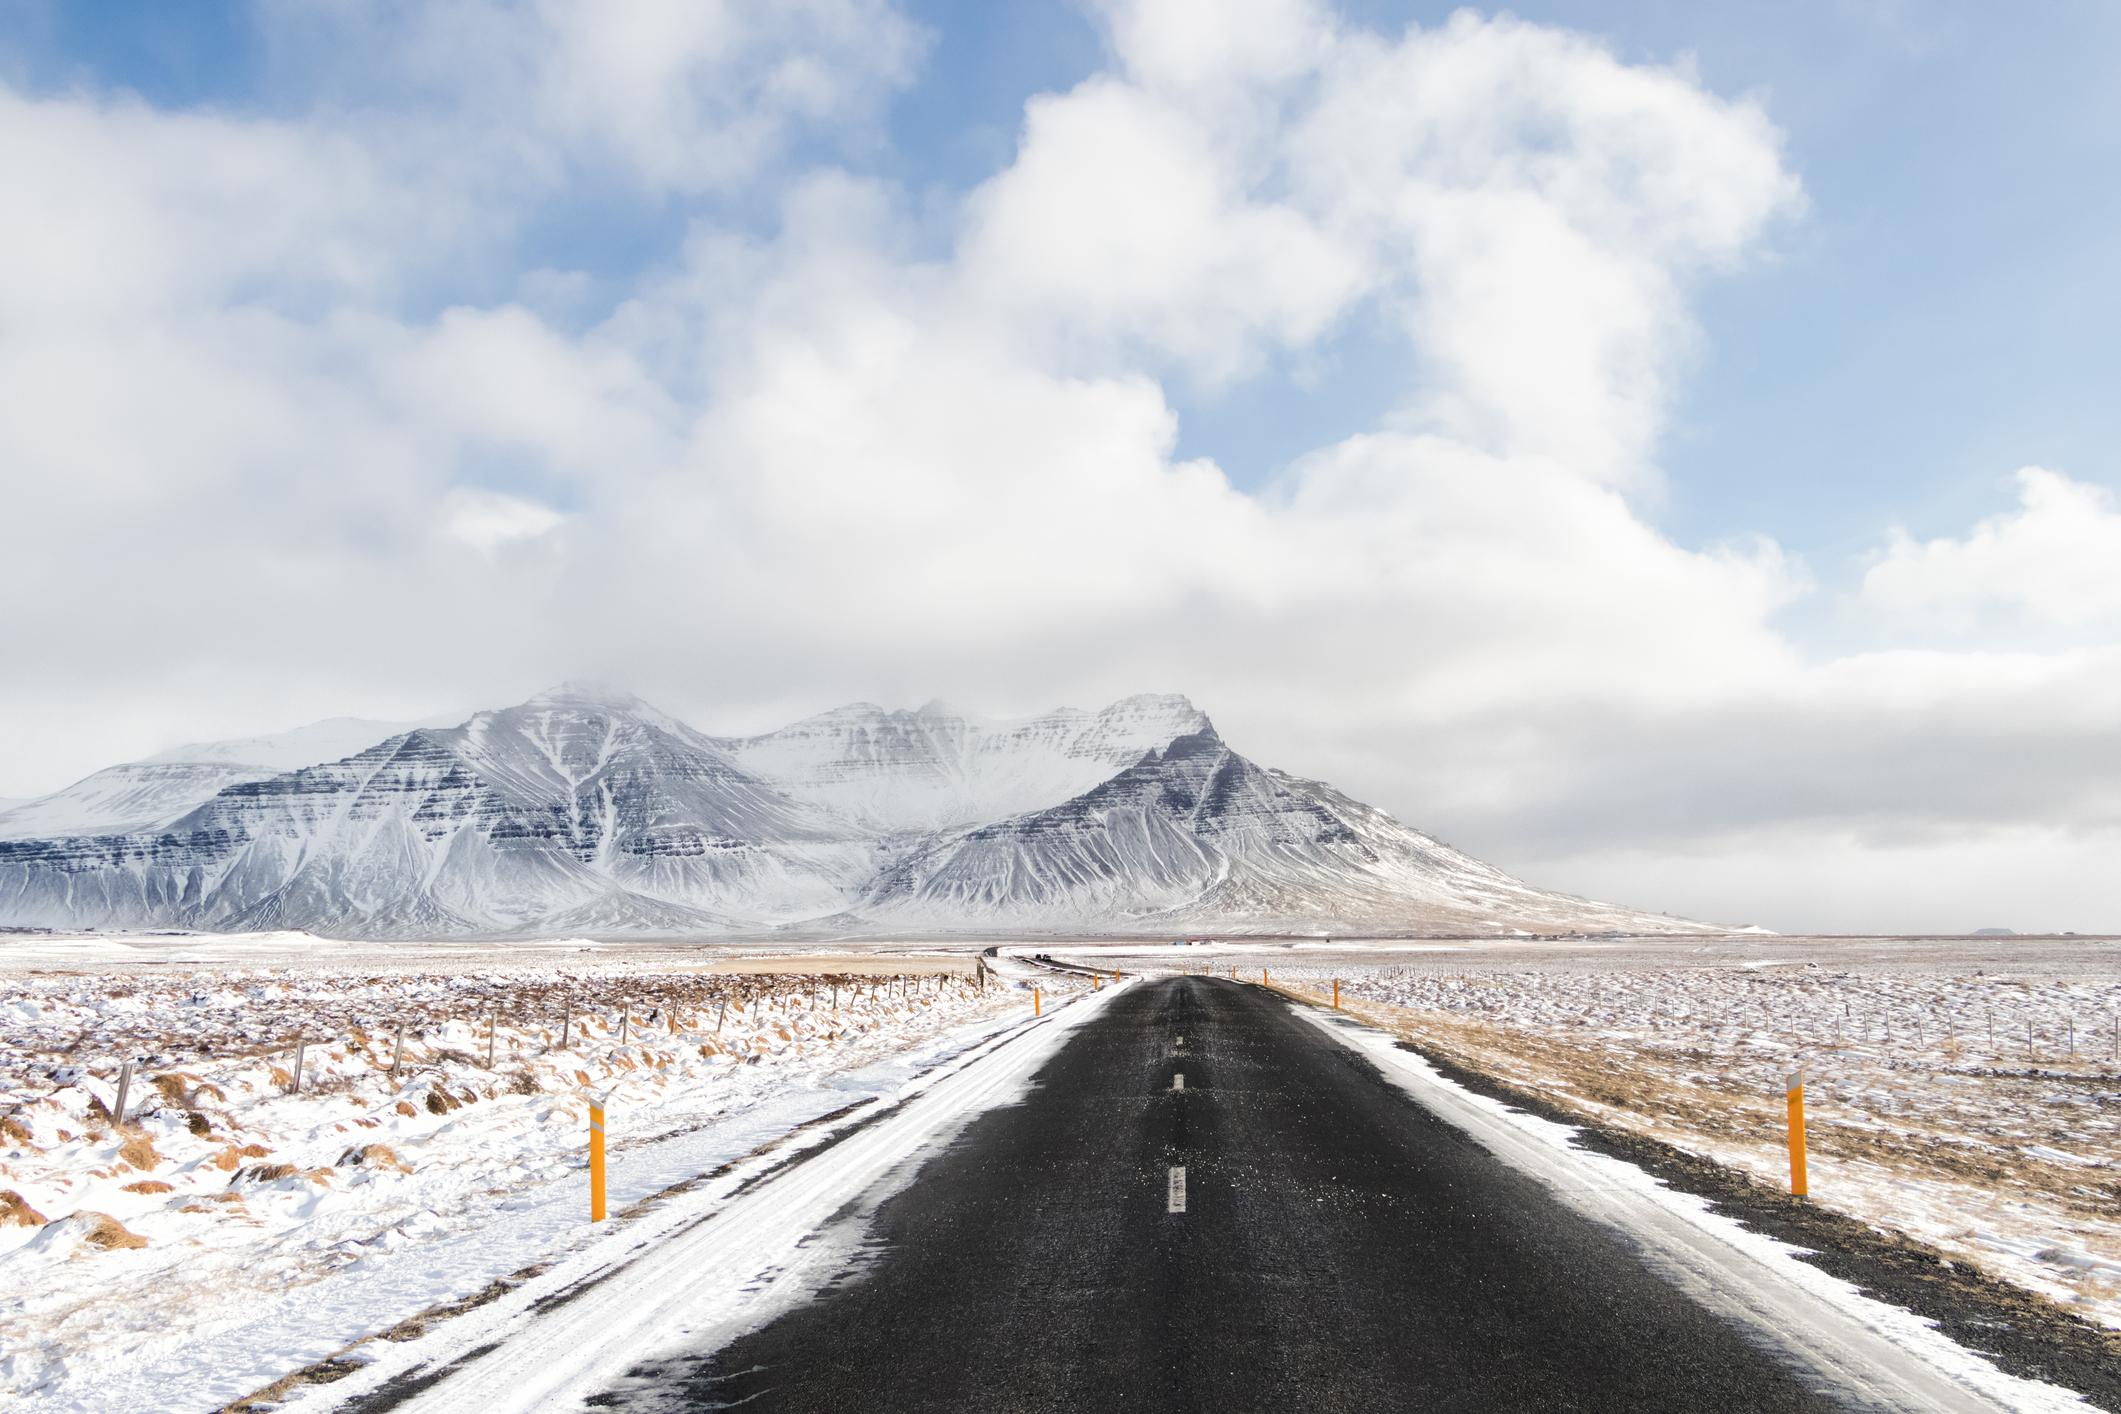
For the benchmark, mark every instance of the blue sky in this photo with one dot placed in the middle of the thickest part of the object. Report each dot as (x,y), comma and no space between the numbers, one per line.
(1945,312)
(1664,448)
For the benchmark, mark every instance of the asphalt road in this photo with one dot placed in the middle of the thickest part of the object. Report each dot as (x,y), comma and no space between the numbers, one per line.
(1340,1249)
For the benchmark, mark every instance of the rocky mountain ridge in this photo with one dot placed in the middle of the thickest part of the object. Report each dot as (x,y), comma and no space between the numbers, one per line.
(587,810)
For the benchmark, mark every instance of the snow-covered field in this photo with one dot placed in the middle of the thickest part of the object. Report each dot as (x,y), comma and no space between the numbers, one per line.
(233,1228)
(1978,1110)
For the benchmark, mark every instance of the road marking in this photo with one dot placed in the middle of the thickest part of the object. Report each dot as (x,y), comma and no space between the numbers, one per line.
(1178,1190)
(1178,1081)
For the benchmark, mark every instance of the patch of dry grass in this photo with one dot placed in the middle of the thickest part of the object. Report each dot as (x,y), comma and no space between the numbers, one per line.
(107,1234)
(14,1212)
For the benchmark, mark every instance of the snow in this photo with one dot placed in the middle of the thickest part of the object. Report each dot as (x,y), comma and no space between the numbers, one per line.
(152,793)
(333,739)
(709,1262)
(587,810)
(139,795)
(899,772)
(276,1228)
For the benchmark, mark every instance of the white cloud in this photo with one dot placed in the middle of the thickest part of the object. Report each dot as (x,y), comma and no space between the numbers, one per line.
(125,212)
(675,95)
(1529,207)
(848,460)
(489,521)
(2051,563)
(1199,44)
(1123,219)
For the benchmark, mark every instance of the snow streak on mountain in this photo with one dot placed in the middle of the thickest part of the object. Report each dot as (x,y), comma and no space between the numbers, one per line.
(896,772)
(585,810)
(149,794)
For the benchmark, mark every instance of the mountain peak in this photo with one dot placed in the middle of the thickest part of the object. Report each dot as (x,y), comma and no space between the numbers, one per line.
(588,692)
(586,807)
(1155,701)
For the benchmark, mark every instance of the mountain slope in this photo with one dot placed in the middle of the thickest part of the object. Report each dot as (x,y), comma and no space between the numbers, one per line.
(151,793)
(569,805)
(584,810)
(1196,836)
(899,772)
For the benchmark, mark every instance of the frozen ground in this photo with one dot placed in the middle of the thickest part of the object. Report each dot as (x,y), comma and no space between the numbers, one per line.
(1965,1092)
(2003,1151)
(190,1247)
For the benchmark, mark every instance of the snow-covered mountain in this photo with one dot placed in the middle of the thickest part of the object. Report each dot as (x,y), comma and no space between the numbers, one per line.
(899,772)
(571,810)
(1193,834)
(587,810)
(151,793)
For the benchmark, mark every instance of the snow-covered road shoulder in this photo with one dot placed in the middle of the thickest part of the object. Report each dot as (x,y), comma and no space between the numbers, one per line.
(1874,1354)
(707,1262)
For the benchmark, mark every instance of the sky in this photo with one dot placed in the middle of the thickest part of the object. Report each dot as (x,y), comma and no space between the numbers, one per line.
(1663,449)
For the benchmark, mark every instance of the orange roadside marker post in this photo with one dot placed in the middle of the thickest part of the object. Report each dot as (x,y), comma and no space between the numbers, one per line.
(1035,1001)
(1796,1100)
(1336,994)
(596,1159)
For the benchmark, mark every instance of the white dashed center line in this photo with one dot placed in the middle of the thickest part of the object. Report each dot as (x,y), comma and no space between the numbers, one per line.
(1178,1191)
(1178,1081)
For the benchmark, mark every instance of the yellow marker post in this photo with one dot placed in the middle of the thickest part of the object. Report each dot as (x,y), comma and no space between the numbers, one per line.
(1796,1098)
(1035,1001)
(1262,976)
(1336,994)
(596,1160)
(1097,982)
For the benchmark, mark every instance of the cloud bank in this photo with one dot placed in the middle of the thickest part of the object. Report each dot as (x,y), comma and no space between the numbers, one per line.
(298,424)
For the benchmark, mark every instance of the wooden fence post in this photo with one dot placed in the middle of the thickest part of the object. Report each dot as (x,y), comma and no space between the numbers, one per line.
(125,1085)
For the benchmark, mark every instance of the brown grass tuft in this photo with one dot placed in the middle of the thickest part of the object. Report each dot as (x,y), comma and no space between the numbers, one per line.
(175,1087)
(149,1185)
(107,1233)
(197,1124)
(16,1213)
(265,1173)
(404,1107)
(254,1151)
(373,1156)
(16,1130)
(139,1151)
(438,1103)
